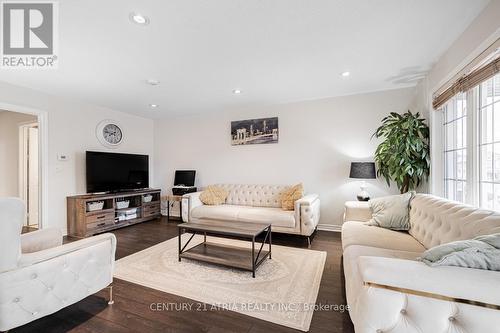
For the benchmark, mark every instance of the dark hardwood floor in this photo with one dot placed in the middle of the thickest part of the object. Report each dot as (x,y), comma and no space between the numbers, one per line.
(131,311)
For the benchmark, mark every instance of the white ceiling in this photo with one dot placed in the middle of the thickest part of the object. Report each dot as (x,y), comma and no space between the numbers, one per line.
(275,51)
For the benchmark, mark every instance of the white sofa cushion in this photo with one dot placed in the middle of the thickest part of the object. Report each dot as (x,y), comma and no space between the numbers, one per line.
(359,233)
(219,212)
(254,195)
(275,216)
(42,239)
(435,221)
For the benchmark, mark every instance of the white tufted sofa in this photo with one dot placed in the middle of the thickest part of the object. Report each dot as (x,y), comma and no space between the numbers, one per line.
(39,275)
(389,291)
(256,204)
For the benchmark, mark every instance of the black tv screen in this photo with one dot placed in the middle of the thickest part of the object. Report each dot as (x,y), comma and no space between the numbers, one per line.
(184,177)
(113,172)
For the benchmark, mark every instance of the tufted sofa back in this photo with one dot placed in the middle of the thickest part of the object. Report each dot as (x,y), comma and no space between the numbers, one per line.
(436,221)
(254,195)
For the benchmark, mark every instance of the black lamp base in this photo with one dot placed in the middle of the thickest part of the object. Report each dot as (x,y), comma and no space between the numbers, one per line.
(362,198)
(363,195)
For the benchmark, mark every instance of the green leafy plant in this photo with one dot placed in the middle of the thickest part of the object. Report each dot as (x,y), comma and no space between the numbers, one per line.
(403,155)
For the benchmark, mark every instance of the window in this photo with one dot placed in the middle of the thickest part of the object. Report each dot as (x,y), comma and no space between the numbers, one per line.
(471,145)
(489,143)
(455,147)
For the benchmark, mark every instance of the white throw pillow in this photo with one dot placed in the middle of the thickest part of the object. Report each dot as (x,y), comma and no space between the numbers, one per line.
(391,212)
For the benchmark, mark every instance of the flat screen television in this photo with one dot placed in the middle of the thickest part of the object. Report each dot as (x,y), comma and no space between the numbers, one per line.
(115,172)
(184,177)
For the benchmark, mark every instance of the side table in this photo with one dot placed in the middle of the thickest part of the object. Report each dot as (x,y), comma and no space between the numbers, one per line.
(173,198)
(357,211)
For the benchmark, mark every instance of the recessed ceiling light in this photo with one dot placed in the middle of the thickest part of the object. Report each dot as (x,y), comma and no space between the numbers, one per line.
(139,19)
(154,106)
(236,91)
(345,74)
(152,82)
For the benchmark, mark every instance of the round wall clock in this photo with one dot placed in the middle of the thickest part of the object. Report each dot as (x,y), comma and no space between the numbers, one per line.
(109,133)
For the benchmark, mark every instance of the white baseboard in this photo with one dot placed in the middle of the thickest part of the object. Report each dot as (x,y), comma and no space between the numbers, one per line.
(329,227)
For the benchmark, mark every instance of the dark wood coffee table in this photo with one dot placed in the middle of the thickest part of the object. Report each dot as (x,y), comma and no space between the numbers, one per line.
(226,255)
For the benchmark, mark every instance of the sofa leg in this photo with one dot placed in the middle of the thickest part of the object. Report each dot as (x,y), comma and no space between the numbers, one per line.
(111,300)
(308,241)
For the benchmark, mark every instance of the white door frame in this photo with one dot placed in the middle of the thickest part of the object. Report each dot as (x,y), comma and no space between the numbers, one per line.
(43,144)
(23,176)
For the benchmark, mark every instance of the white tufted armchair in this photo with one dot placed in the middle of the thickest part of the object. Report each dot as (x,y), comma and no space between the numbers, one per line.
(39,275)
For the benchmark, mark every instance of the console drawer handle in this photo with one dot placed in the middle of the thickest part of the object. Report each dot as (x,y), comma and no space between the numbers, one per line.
(101,217)
(101,224)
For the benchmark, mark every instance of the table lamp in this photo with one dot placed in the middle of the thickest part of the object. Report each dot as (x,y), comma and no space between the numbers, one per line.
(363,170)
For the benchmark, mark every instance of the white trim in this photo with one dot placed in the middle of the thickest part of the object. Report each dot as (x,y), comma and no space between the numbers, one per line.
(437,143)
(44,155)
(473,153)
(22,170)
(473,149)
(330,227)
(22,157)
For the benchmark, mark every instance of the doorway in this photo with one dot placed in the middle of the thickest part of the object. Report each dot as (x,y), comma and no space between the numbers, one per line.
(13,144)
(29,172)
(19,154)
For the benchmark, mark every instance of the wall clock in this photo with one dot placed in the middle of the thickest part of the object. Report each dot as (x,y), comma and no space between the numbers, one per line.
(109,133)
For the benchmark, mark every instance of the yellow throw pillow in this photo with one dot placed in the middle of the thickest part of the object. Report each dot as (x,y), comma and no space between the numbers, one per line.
(291,195)
(213,195)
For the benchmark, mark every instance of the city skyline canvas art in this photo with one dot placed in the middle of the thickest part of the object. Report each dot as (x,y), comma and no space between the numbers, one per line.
(254,131)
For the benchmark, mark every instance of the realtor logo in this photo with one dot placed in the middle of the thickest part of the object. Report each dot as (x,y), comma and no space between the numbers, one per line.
(29,34)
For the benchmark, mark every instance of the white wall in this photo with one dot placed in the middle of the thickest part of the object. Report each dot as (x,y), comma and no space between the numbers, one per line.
(481,33)
(71,131)
(9,151)
(318,140)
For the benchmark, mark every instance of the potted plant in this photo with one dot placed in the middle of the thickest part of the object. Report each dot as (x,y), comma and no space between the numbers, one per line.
(403,155)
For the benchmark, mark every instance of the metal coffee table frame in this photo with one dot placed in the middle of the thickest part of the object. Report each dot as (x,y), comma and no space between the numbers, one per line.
(230,256)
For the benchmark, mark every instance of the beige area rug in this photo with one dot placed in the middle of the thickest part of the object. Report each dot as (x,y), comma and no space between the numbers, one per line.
(284,290)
